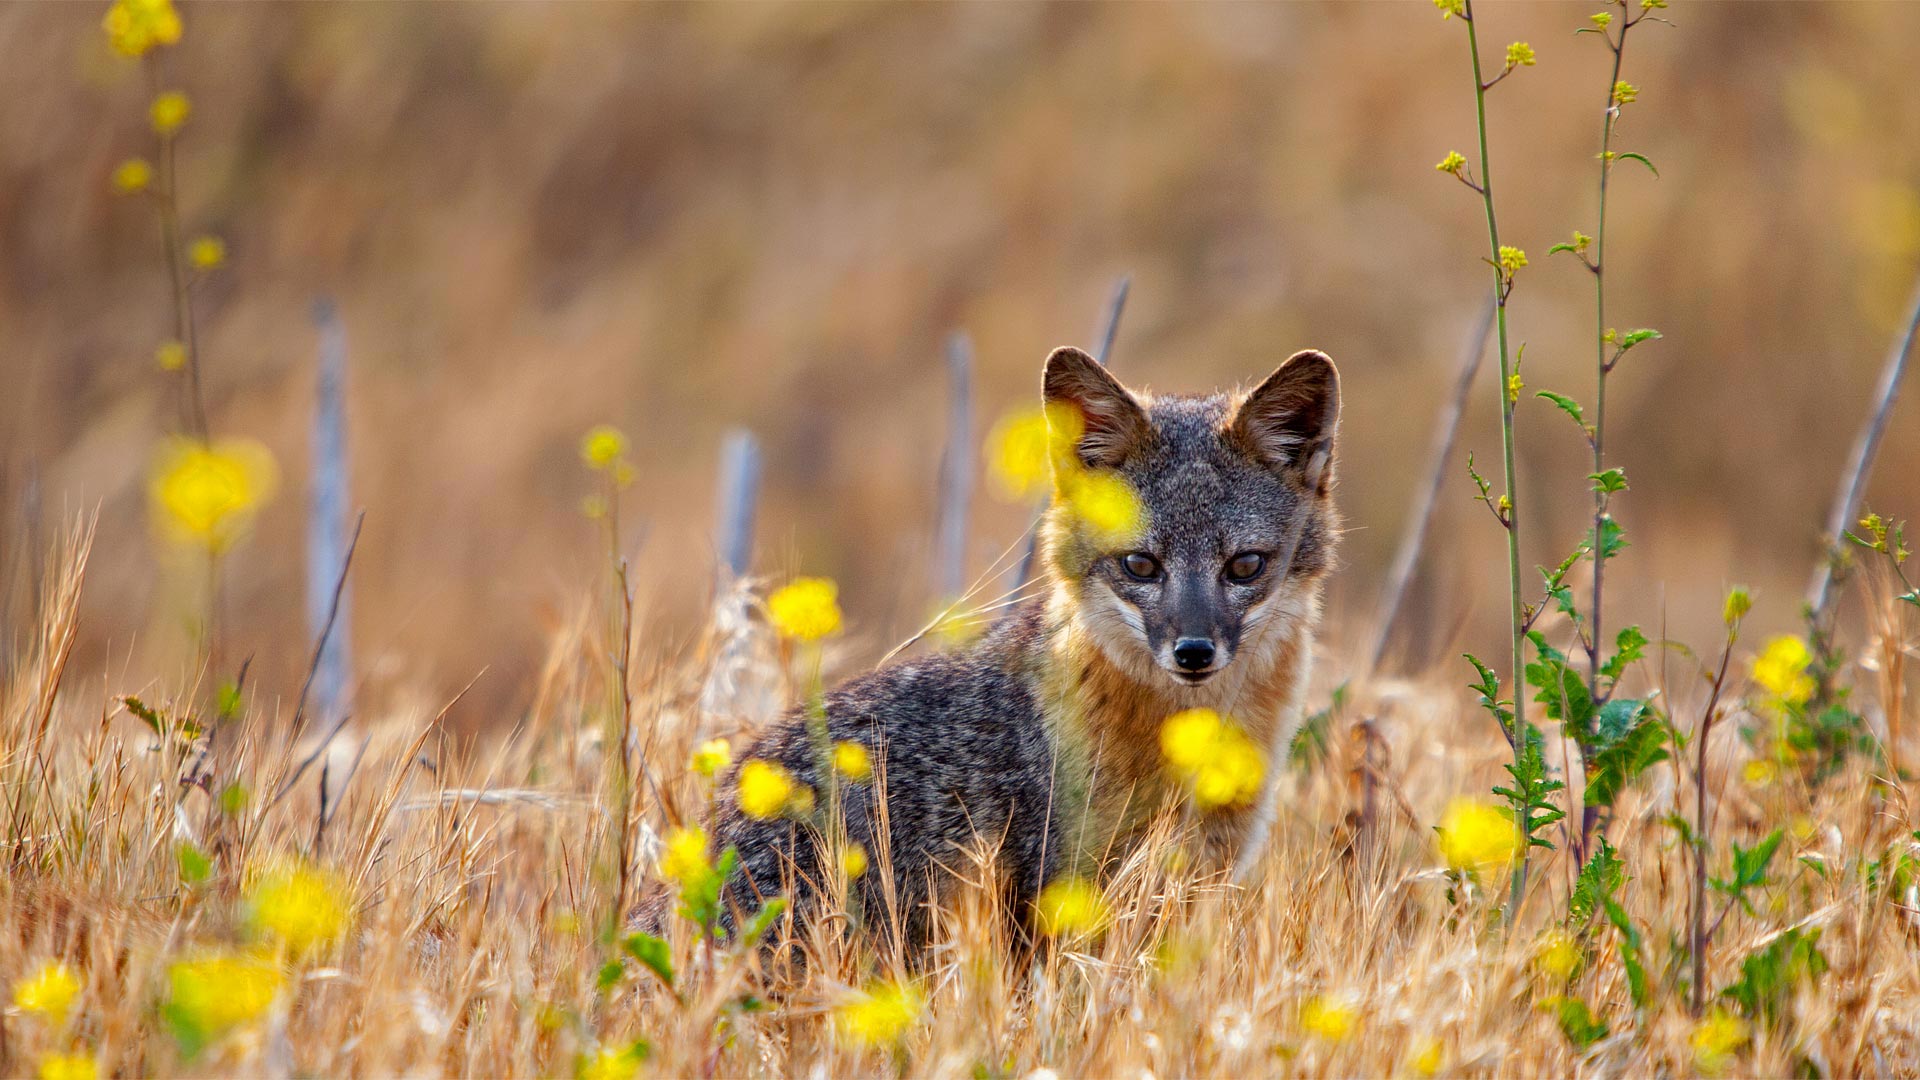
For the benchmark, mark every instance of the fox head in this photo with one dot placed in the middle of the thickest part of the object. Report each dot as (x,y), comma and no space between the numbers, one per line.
(1236,524)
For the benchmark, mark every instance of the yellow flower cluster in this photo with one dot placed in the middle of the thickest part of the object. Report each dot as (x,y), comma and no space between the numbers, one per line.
(613,1062)
(1781,669)
(1477,837)
(207,253)
(851,760)
(1520,54)
(1511,260)
(48,992)
(806,608)
(1452,163)
(68,1067)
(1027,447)
(711,756)
(214,992)
(1716,1040)
(1105,505)
(1072,907)
(1625,93)
(882,1014)
(603,446)
(853,860)
(1450,8)
(1602,19)
(134,27)
(302,909)
(1330,1018)
(1557,954)
(132,176)
(169,112)
(1213,758)
(768,790)
(685,857)
(207,494)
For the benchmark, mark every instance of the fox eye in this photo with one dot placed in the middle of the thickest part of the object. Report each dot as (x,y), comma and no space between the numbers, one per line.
(1246,566)
(1140,566)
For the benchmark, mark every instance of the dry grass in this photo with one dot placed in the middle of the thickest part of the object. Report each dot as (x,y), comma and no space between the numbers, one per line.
(478,874)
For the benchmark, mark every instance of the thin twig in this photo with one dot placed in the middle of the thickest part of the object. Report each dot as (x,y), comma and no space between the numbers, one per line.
(326,629)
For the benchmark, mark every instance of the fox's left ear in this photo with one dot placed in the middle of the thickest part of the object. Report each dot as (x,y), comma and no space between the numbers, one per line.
(1288,422)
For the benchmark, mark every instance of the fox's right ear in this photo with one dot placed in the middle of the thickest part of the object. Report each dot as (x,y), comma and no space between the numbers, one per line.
(1115,423)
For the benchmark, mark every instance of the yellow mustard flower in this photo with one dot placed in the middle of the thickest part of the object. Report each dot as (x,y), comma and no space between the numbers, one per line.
(1072,907)
(1649,5)
(69,1067)
(1514,386)
(851,760)
(213,992)
(303,909)
(132,176)
(853,860)
(1511,260)
(169,112)
(1450,8)
(1625,93)
(1581,241)
(208,494)
(135,26)
(1027,448)
(1781,669)
(1476,836)
(685,857)
(603,446)
(170,356)
(1106,507)
(1429,1054)
(712,756)
(1602,19)
(880,1015)
(613,1062)
(207,253)
(806,608)
(1557,954)
(1716,1040)
(1329,1017)
(766,789)
(1213,758)
(1520,54)
(48,992)
(1452,163)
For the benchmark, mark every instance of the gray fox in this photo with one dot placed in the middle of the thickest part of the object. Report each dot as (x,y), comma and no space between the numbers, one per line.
(1042,739)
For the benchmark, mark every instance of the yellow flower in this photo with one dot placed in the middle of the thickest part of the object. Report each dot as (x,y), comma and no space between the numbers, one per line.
(880,1015)
(1716,1039)
(766,789)
(1759,772)
(1514,386)
(1026,448)
(1476,836)
(851,760)
(48,992)
(1739,602)
(1072,907)
(135,26)
(1452,163)
(304,909)
(806,608)
(1511,260)
(207,253)
(1602,19)
(712,756)
(613,1062)
(1557,954)
(216,991)
(685,858)
(207,494)
(1328,1017)
(132,176)
(1624,93)
(1450,8)
(169,112)
(1520,54)
(1106,507)
(853,860)
(170,356)
(1429,1054)
(1213,758)
(69,1067)
(602,446)
(1781,669)
(1649,5)
(1581,241)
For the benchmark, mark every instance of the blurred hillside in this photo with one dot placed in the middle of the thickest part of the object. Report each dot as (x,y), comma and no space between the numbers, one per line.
(683,218)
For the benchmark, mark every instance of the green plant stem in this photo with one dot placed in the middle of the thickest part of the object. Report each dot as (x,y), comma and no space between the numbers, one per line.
(183,327)
(1511,520)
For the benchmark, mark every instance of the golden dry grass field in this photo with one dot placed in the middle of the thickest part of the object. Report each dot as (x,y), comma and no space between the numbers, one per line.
(376,378)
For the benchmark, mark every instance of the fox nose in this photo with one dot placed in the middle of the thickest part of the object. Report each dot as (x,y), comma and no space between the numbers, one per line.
(1193,654)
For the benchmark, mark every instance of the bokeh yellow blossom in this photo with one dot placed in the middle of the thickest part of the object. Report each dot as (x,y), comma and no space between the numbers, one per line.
(851,760)
(711,756)
(170,356)
(1105,506)
(1329,1017)
(1557,954)
(68,1067)
(1072,907)
(880,1015)
(1476,836)
(853,860)
(303,909)
(603,446)
(685,857)
(135,26)
(208,494)
(766,789)
(1213,758)
(132,176)
(806,608)
(207,253)
(1781,670)
(613,1062)
(1759,772)
(1716,1040)
(1027,448)
(214,992)
(48,992)
(169,112)
(1429,1054)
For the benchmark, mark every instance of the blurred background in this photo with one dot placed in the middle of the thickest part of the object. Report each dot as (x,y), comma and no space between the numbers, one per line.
(682,218)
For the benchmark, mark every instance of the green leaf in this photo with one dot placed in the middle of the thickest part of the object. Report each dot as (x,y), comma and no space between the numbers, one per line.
(652,952)
(195,867)
(1578,1023)
(1770,975)
(1609,482)
(1489,690)
(764,919)
(610,975)
(147,714)
(1564,694)
(1642,159)
(1610,771)
(1603,876)
(1611,540)
(1616,719)
(1567,405)
(1634,337)
(1629,646)
(1630,954)
(1560,247)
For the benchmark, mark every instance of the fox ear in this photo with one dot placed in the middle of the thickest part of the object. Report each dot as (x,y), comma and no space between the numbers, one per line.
(1288,422)
(1115,423)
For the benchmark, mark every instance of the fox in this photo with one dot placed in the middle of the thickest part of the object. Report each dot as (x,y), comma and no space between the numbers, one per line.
(1040,742)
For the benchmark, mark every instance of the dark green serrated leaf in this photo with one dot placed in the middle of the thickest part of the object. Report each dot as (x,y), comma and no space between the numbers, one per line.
(1628,646)
(1611,541)
(1603,876)
(1610,481)
(653,953)
(1612,770)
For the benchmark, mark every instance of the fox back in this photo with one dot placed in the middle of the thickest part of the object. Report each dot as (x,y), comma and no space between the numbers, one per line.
(1042,739)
